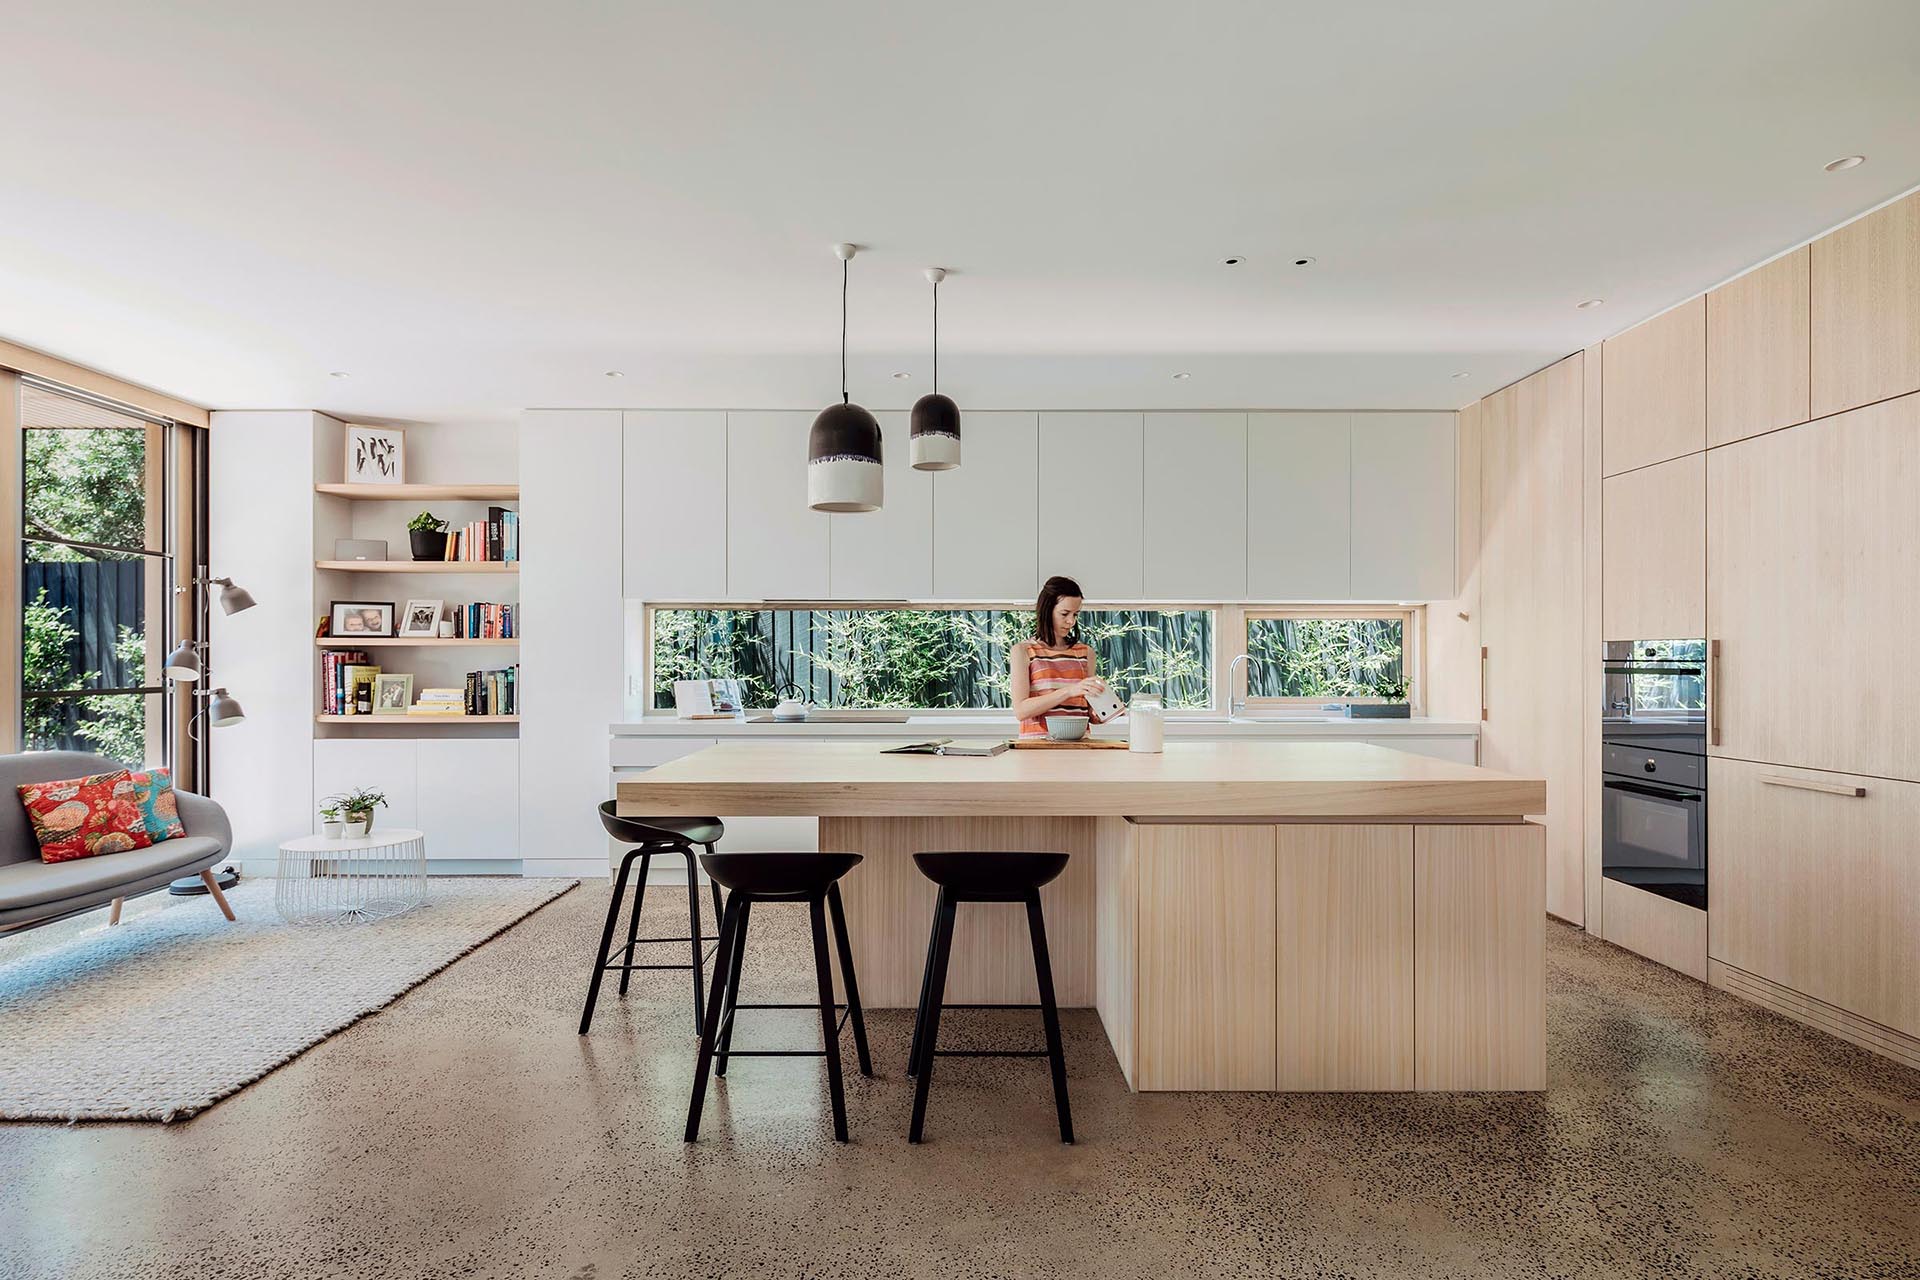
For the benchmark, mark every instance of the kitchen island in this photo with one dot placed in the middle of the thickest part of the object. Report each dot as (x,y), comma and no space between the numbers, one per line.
(1243,915)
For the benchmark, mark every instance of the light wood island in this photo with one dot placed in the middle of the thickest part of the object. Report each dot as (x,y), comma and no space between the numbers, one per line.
(1243,915)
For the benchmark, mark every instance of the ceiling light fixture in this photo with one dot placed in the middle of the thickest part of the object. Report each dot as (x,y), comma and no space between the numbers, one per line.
(614,373)
(1844,163)
(1304,262)
(339,373)
(1589,304)
(1462,374)
(1181,377)
(843,449)
(936,418)
(1234,261)
(902,376)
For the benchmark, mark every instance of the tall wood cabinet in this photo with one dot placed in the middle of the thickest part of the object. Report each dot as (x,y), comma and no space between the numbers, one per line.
(1530,604)
(1654,397)
(1866,309)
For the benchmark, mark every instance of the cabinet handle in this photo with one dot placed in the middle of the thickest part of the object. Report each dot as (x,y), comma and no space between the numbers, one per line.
(1713,693)
(1813,784)
(1483,683)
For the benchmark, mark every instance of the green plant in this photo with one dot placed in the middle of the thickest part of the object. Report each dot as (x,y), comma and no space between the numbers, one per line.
(1392,688)
(359,802)
(426,522)
(329,813)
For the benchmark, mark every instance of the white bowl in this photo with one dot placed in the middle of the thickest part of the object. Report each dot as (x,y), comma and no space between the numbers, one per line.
(1067,728)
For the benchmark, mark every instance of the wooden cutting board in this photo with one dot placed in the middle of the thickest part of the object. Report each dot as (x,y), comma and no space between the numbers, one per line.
(1048,744)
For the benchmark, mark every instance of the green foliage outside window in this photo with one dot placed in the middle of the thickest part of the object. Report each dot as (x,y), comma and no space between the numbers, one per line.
(115,724)
(1331,658)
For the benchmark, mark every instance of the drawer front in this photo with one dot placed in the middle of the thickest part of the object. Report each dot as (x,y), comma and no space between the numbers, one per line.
(1673,768)
(1814,884)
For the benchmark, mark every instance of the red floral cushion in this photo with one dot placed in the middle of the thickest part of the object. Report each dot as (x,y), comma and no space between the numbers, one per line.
(86,817)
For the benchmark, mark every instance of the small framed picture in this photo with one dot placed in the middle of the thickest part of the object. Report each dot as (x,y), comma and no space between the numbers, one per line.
(361,618)
(706,699)
(376,455)
(421,619)
(392,693)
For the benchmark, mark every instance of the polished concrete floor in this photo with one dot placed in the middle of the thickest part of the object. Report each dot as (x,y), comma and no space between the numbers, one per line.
(467,1131)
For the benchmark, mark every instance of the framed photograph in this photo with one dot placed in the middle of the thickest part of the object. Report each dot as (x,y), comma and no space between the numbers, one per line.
(706,699)
(376,455)
(392,693)
(421,619)
(361,618)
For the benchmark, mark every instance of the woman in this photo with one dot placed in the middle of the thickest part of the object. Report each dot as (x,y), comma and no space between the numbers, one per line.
(1052,674)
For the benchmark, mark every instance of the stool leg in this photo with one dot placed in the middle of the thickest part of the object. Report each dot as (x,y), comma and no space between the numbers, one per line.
(846,972)
(936,996)
(829,1032)
(728,924)
(715,886)
(926,985)
(736,961)
(633,921)
(693,921)
(1049,1013)
(606,939)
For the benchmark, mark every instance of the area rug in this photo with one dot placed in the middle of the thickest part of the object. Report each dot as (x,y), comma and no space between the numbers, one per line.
(174,1008)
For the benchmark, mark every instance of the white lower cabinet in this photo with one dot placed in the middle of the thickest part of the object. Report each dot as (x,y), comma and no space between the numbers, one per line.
(463,793)
(349,764)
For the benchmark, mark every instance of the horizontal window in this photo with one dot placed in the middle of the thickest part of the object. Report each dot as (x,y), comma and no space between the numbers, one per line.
(1343,655)
(936,658)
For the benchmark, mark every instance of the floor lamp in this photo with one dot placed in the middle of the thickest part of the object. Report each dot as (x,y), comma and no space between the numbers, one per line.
(185,665)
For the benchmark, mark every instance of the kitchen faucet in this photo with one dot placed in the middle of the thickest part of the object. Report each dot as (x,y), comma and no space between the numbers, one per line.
(1235,705)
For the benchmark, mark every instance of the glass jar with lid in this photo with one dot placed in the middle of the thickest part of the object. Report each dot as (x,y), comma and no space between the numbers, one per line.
(1146,723)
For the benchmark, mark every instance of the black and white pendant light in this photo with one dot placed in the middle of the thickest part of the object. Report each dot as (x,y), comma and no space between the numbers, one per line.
(843,449)
(936,418)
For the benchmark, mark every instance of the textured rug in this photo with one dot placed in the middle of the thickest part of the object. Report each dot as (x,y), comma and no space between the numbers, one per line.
(175,1008)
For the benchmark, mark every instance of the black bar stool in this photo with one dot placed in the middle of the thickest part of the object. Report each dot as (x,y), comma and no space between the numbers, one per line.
(812,878)
(984,877)
(651,836)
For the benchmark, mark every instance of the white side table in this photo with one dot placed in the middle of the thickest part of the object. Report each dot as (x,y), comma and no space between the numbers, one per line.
(354,880)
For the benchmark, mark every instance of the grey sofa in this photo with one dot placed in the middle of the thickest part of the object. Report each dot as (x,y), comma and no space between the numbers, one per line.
(33,892)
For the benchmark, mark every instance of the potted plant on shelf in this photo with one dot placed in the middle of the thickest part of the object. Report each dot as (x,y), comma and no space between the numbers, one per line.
(428,534)
(359,804)
(331,824)
(1396,706)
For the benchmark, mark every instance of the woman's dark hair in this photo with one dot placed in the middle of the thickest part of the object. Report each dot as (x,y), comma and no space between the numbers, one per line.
(1050,595)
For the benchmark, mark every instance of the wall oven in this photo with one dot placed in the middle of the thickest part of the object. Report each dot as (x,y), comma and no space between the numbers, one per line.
(1653,768)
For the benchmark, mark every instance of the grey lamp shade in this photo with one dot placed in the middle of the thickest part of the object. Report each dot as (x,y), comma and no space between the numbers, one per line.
(234,599)
(843,460)
(224,710)
(183,665)
(935,433)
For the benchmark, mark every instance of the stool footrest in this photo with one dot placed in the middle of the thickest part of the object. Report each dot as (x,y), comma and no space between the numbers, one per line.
(726,1028)
(989,1053)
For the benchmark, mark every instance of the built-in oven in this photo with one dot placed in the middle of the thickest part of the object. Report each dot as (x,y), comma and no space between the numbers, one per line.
(1653,768)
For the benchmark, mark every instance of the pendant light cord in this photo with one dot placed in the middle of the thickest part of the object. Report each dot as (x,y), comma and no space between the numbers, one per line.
(844,398)
(936,337)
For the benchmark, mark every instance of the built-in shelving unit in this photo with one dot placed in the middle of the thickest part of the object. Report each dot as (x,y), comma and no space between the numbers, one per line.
(423,492)
(419,566)
(435,721)
(409,642)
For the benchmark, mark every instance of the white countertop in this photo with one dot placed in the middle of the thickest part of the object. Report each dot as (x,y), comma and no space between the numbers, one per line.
(1001,726)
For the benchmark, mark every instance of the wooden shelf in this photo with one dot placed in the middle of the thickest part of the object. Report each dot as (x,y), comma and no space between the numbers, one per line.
(419,566)
(433,720)
(423,492)
(408,642)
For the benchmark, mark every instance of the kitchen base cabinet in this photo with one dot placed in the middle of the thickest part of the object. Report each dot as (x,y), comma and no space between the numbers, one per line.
(463,793)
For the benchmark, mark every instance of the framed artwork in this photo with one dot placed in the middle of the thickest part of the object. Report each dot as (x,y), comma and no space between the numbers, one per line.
(376,455)
(421,619)
(361,618)
(392,693)
(706,699)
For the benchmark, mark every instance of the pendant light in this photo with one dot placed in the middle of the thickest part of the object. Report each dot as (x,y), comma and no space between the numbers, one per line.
(936,418)
(843,449)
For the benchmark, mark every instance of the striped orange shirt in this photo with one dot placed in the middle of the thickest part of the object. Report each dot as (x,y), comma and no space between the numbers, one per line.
(1050,669)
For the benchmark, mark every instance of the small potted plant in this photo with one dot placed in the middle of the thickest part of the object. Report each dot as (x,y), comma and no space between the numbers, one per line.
(1395,707)
(358,805)
(331,824)
(428,534)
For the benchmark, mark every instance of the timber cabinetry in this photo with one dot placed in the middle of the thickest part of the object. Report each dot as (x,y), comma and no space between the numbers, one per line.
(1654,390)
(1866,309)
(1654,552)
(1758,369)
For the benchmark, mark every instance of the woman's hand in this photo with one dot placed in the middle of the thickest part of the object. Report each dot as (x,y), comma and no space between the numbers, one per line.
(1091,685)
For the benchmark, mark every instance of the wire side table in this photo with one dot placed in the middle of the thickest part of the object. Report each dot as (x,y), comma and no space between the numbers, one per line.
(351,881)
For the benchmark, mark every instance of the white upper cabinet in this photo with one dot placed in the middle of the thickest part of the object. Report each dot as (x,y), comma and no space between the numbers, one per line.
(985,512)
(1091,501)
(776,543)
(1402,506)
(887,554)
(1299,486)
(1196,506)
(674,499)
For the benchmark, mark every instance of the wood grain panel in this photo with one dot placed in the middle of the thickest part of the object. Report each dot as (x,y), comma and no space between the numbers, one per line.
(1654,562)
(11,447)
(1816,891)
(1655,380)
(1664,931)
(1592,609)
(1344,926)
(1866,309)
(1206,957)
(1479,967)
(53,369)
(890,910)
(1813,535)
(1116,894)
(1817,1014)
(1758,336)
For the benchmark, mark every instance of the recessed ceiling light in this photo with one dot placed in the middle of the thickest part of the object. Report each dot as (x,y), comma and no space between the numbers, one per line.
(1234,261)
(1304,262)
(615,373)
(1590,304)
(339,373)
(1181,377)
(1844,162)
(1462,374)
(901,376)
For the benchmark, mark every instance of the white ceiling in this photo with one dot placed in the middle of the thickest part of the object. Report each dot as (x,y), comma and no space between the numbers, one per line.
(475,207)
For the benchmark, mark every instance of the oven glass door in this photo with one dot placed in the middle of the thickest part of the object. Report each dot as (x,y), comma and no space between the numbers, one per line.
(1652,828)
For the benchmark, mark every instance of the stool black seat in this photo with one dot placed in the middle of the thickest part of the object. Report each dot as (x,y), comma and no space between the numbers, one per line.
(1000,876)
(650,836)
(812,878)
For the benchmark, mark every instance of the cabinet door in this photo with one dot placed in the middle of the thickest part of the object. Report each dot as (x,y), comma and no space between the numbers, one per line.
(344,764)
(1654,552)
(1866,309)
(469,797)
(1092,501)
(1757,358)
(1654,399)
(1196,497)
(1813,592)
(776,544)
(985,511)
(1403,490)
(1816,885)
(887,554)
(1503,547)
(1299,506)
(674,498)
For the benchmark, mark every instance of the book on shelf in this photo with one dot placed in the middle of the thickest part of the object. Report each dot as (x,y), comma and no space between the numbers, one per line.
(484,620)
(493,693)
(339,669)
(439,702)
(494,540)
